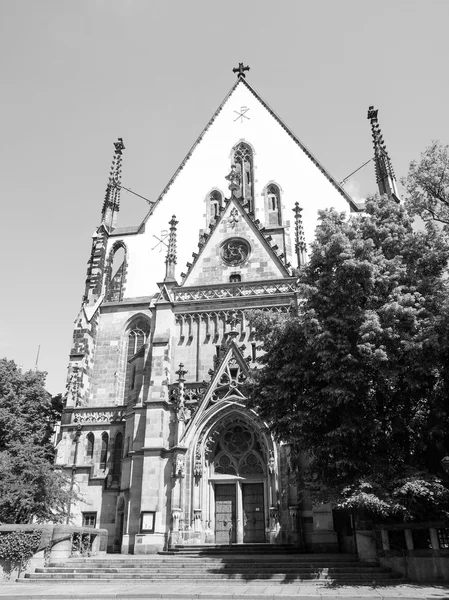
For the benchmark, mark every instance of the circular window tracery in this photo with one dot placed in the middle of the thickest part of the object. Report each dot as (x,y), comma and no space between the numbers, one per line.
(235,251)
(238,440)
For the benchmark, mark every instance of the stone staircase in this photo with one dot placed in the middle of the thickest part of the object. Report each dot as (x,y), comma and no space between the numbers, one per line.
(239,564)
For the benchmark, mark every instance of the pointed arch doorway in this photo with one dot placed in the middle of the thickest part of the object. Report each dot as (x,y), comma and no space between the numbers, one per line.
(238,486)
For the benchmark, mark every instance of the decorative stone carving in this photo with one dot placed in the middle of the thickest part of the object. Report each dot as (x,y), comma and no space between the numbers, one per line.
(271,462)
(234,178)
(244,289)
(197,515)
(98,416)
(274,517)
(235,251)
(175,515)
(179,466)
(233,218)
(198,467)
(73,386)
(293,514)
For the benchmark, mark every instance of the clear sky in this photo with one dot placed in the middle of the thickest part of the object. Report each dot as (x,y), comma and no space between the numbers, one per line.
(77,74)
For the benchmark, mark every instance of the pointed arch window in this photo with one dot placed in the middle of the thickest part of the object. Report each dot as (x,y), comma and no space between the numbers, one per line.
(117,460)
(116,273)
(215,204)
(224,465)
(250,464)
(273,205)
(238,452)
(244,161)
(136,339)
(90,445)
(135,356)
(104,450)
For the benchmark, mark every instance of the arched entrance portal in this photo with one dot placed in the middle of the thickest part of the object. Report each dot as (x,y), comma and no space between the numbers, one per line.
(237,493)
(237,477)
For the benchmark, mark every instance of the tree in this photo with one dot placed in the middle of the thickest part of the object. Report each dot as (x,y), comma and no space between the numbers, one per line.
(356,380)
(30,487)
(427,185)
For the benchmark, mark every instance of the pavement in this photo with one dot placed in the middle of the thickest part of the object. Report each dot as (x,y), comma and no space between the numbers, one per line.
(72,590)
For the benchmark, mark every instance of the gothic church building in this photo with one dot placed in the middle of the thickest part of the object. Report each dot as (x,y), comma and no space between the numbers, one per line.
(156,430)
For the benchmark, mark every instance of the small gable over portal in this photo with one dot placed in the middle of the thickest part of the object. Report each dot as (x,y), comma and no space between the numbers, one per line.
(236,250)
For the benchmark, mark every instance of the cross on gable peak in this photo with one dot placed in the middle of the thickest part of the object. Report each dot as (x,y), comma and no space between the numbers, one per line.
(240,70)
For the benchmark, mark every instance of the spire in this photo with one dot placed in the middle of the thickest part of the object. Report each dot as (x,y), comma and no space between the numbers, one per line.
(111,202)
(300,240)
(386,179)
(170,260)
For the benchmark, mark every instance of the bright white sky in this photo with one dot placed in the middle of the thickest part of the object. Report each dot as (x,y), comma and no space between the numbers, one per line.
(77,74)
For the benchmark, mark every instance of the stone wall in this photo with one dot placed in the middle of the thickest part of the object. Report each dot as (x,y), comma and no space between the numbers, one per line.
(55,544)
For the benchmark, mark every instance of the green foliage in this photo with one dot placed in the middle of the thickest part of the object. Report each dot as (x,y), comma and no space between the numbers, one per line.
(30,487)
(427,184)
(19,546)
(358,379)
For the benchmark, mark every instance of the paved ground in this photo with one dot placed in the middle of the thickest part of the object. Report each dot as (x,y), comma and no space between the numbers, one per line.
(168,591)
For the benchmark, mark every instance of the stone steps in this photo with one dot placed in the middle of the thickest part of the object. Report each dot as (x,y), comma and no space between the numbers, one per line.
(384,579)
(225,570)
(207,565)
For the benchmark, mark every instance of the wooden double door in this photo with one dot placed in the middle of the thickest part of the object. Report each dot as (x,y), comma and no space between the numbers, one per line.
(227,509)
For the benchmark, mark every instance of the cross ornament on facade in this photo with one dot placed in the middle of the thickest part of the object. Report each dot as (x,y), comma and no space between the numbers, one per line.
(161,242)
(242,114)
(240,70)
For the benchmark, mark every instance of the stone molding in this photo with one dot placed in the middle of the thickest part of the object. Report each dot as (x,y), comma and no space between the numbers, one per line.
(283,286)
(98,416)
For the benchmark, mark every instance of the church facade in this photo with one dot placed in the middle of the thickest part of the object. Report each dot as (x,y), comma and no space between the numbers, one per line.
(156,432)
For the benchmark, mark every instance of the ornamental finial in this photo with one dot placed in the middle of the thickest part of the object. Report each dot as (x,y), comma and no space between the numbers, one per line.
(170,259)
(111,204)
(300,239)
(386,179)
(240,70)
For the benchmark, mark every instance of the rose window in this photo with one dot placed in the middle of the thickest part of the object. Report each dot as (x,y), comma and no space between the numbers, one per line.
(235,251)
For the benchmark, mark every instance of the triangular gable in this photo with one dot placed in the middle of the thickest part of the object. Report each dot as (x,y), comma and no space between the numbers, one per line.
(304,148)
(233,227)
(226,383)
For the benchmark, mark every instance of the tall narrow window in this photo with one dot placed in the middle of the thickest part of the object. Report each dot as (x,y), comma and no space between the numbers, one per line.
(135,356)
(116,465)
(243,160)
(116,274)
(104,450)
(90,446)
(215,204)
(273,205)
